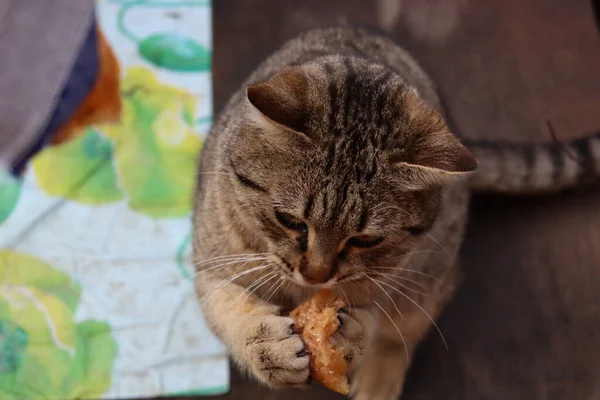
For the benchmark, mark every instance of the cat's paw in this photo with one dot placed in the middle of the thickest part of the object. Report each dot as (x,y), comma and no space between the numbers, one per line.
(351,336)
(275,354)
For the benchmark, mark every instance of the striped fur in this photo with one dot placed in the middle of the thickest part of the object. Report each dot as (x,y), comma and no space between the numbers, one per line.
(535,168)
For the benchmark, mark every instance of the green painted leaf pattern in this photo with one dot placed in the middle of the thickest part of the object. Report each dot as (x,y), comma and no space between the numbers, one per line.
(80,170)
(10,189)
(94,343)
(42,349)
(156,146)
(13,342)
(149,158)
(174,52)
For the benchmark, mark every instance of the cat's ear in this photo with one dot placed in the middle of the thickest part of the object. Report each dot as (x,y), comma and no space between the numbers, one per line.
(281,99)
(430,153)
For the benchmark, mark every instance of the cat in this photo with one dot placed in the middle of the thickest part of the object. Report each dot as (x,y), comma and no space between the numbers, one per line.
(333,166)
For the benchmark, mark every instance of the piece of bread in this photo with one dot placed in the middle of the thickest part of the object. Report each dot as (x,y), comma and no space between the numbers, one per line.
(316,320)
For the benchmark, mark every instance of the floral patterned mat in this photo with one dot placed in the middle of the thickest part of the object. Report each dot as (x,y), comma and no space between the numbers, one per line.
(96,297)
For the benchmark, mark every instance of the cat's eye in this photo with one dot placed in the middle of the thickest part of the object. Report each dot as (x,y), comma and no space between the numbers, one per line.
(364,241)
(246,181)
(291,222)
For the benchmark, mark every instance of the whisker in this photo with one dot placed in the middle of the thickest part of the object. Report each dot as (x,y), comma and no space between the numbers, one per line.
(439,244)
(254,286)
(273,285)
(403,278)
(239,268)
(422,309)
(232,261)
(346,296)
(395,326)
(214,173)
(275,291)
(353,283)
(388,295)
(231,279)
(230,256)
(205,267)
(413,271)
(226,262)
(410,253)
(272,275)
(391,277)
(246,258)
(285,288)
(219,267)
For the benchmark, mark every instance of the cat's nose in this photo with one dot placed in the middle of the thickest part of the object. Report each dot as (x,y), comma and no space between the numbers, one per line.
(317,273)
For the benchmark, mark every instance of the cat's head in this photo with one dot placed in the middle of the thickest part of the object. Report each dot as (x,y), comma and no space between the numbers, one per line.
(339,168)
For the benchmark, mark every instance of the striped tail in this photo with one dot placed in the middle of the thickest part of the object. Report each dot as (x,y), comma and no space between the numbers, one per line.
(531,169)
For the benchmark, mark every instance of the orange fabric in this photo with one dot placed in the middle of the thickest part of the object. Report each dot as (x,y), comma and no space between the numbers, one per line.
(103,103)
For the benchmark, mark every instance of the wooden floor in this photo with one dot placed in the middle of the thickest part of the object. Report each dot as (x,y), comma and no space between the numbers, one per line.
(526,322)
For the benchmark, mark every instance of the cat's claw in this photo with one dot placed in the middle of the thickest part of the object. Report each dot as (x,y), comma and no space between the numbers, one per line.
(277,355)
(350,337)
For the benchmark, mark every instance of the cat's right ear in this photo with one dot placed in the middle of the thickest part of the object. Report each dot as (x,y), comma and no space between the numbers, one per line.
(280,101)
(429,154)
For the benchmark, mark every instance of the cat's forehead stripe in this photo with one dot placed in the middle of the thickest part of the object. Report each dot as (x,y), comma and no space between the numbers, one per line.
(330,157)
(357,90)
(350,83)
(309,205)
(333,95)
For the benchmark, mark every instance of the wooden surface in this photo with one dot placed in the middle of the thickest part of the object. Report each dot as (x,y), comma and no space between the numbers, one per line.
(526,322)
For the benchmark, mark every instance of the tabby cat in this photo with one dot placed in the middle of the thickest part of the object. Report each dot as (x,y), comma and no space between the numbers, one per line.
(333,167)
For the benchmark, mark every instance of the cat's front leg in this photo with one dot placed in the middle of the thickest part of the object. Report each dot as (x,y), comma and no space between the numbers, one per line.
(381,373)
(260,340)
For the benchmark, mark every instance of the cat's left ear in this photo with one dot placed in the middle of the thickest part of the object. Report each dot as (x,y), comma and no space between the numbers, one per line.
(430,153)
(281,100)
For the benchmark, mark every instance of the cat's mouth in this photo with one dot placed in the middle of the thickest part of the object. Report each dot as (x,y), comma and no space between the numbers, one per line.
(293,275)
(297,278)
